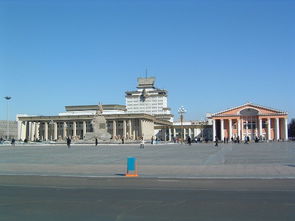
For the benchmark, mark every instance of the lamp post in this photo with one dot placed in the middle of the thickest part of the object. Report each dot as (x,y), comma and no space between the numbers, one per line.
(181,111)
(7,135)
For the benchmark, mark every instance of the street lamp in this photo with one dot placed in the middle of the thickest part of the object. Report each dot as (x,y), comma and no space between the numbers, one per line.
(7,98)
(181,111)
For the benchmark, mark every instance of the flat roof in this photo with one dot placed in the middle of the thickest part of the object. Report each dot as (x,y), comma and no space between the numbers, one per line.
(95,107)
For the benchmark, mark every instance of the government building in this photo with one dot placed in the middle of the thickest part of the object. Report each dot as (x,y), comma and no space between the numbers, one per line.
(251,120)
(146,114)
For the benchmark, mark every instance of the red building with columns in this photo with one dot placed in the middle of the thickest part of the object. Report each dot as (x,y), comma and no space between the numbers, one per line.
(250,120)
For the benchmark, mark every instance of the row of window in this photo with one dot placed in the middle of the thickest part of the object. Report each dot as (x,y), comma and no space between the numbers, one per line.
(250,125)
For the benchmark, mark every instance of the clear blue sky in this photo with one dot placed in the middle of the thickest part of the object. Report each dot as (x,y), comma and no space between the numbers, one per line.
(209,55)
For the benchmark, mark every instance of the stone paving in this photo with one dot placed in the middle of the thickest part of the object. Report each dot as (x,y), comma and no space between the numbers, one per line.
(262,160)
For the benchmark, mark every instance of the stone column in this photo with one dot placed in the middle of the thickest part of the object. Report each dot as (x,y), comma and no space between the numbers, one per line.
(268,128)
(133,134)
(141,128)
(45,131)
(164,134)
(23,130)
(256,129)
(190,132)
(29,130)
(195,132)
(124,129)
(184,134)
(247,123)
(242,129)
(65,130)
(170,134)
(84,128)
(74,129)
(32,131)
(260,127)
(114,129)
(239,128)
(277,128)
(19,129)
(230,128)
(130,128)
(55,131)
(174,132)
(37,125)
(222,129)
(286,129)
(214,129)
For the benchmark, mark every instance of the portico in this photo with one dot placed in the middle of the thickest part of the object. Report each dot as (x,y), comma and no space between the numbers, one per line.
(120,126)
(250,120)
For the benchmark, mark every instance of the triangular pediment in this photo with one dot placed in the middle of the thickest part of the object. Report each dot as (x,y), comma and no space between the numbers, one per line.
(261,110)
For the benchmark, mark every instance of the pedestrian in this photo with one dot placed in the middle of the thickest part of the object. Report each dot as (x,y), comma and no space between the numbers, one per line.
(69,142)
(152,140)
(216,141)
(122,140)
(238,139)
(189,140)
(13,142)
(96,141)
(141,143)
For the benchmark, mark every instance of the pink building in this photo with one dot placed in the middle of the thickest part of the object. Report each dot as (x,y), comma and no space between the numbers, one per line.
(250,120)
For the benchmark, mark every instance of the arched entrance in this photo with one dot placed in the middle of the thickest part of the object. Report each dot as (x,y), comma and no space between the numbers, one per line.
(250,122)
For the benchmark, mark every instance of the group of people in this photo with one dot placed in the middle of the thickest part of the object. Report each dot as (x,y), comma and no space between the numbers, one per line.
(236,140)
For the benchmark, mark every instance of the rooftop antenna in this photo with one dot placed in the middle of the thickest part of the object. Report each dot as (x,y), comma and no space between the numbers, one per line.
(146,73)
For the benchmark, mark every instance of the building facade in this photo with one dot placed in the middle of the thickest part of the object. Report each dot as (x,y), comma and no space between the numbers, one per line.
(76,122)
(8,129)
(200,130)
(250,120)
(149,100)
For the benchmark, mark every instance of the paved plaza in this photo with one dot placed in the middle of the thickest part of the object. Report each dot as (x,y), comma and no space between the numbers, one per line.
(262,160)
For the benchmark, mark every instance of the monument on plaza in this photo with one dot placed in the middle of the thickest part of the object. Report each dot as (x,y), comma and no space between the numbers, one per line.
(99,126)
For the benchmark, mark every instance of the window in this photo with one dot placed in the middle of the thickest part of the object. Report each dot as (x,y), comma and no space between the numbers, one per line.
(250,125)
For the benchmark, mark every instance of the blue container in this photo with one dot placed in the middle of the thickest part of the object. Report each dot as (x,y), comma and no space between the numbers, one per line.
(131,164)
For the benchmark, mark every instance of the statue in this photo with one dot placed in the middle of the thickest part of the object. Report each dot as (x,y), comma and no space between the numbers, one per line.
(99,126)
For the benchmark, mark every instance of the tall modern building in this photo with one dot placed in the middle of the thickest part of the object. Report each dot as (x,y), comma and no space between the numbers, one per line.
(148,99)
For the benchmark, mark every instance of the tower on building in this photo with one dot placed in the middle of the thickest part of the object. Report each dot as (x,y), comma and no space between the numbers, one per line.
(148,99)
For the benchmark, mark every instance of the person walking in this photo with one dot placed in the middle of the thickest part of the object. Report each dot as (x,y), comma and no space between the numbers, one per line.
(141,143)
(216,141)
(69,142)
(189,140)
(13,142)
(96,142)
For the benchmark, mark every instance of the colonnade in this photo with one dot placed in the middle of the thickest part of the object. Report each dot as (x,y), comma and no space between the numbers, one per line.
(54,130)
(175,132)
(262,129)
